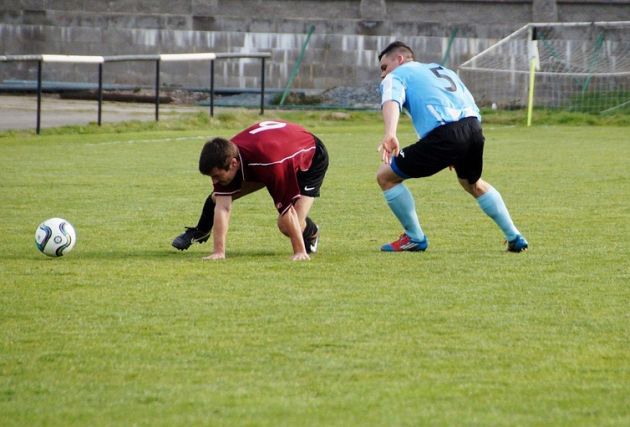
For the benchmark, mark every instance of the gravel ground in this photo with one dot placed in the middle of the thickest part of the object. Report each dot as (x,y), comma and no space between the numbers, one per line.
(338,97)
(353,97)
(20,112)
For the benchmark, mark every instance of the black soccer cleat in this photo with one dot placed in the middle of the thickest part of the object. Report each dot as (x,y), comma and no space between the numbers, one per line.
(519,244)
(190,236)
(311,242)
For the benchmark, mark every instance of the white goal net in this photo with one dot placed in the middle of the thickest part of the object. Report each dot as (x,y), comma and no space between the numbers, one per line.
(581,67)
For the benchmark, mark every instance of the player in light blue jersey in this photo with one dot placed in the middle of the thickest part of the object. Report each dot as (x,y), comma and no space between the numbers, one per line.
(448,124)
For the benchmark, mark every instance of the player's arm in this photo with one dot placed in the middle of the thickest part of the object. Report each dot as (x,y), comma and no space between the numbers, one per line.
(289,224)
(390,146)
(222,210)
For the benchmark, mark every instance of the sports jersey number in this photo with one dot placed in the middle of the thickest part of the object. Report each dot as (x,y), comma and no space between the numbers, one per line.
(436,71)
(267,125)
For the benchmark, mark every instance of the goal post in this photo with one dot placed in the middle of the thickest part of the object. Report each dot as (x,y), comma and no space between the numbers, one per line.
(579,66)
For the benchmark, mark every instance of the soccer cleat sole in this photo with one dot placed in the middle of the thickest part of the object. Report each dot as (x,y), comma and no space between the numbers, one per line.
(408,247)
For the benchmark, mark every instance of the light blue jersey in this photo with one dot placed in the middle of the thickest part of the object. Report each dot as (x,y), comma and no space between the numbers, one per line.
(431,94)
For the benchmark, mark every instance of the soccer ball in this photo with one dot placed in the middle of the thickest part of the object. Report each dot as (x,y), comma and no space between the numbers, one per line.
(55,237)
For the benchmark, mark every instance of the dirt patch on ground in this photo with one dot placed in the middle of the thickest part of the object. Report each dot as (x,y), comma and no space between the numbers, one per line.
(20,112)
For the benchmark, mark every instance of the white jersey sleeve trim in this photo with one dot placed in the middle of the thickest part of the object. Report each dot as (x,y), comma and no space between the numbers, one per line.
(282,160)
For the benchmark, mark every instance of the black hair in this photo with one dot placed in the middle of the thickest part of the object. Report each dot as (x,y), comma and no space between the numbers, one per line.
(216,153)
(398,46)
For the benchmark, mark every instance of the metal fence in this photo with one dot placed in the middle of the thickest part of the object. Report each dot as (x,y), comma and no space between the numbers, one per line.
(157,58)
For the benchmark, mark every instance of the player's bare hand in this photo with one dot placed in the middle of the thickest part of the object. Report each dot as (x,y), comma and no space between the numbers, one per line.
(214,256)
(300,256)
(389,147)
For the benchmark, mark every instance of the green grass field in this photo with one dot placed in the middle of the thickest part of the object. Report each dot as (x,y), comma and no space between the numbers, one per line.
(127,331)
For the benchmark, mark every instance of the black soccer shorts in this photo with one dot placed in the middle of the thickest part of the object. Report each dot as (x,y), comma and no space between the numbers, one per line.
(311,180)
(458,144)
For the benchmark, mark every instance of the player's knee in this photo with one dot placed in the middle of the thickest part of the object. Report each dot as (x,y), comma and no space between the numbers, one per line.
(384,179)
(477,188)
(380,178)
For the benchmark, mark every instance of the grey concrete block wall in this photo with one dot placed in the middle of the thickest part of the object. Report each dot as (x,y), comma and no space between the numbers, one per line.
(474,18)
(330,59)
(342,51)
(342,15)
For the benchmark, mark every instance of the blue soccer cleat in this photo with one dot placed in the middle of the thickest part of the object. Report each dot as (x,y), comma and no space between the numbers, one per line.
(519,244)
(406,244)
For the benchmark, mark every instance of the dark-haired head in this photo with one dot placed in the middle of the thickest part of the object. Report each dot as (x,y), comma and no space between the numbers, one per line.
(398,47)
(216,153)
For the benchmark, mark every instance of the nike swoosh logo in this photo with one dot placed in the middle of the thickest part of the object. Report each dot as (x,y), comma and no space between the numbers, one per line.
(307,188)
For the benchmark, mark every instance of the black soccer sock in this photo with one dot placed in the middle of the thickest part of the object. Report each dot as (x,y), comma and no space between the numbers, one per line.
(206,220)
(309,230)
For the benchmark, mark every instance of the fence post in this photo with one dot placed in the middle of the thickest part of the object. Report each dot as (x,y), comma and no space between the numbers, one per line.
(39,95)
(451,39)
(100,91)
(157,90)
(262,86)
(212,88)
(296,67)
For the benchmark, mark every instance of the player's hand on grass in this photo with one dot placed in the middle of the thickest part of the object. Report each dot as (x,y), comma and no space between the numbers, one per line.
(389,147)
(216,255)
(300,256)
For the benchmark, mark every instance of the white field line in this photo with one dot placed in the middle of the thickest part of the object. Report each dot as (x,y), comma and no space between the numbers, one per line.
(142,141)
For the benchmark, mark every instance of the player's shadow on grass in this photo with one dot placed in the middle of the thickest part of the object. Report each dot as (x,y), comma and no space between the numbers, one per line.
(237,253)
(169,253)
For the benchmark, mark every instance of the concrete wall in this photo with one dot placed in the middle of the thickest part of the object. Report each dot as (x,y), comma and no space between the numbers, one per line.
(480,18)
(269,16)
(330,60)
(342,51)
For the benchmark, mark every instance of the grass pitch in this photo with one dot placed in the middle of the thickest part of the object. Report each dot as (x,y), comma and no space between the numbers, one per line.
(127,331)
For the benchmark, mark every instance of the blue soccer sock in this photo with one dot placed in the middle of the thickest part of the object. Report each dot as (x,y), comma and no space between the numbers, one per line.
(401,202)
(492,204)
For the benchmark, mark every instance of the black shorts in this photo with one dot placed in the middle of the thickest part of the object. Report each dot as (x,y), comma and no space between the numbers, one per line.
(311,180)
(458,144)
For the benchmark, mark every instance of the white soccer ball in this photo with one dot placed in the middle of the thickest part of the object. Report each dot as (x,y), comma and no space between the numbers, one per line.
(55,237)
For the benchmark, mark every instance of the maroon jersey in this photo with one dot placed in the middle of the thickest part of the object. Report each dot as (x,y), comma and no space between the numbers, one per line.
(272,153)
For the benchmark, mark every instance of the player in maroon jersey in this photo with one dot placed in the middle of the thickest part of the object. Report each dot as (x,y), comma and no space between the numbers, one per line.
(281,156)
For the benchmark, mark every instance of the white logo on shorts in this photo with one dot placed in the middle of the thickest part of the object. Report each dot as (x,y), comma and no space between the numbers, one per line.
(402,153)
(307,188)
